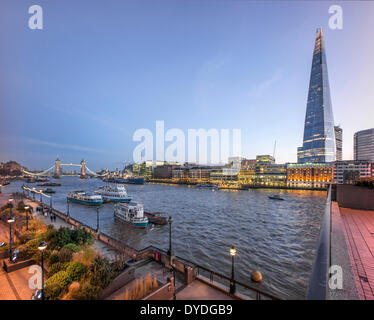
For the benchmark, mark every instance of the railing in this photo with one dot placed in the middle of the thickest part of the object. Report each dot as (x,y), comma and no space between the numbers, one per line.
(318,284)
(223,282)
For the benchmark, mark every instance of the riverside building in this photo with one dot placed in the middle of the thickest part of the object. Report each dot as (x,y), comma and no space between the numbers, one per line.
(347,172)
(363,144)
(310,175)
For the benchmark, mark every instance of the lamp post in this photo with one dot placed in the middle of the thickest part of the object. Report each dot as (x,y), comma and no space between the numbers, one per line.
(98,220)
(10,205)
(170,222)
(42,247)
(10,221)
(33,193)
(232,281)
(41,193)
(67,203)
(27,217)
(50,202)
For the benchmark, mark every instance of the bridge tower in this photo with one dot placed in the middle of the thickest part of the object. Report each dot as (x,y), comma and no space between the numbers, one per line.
(83,169)
(57,168)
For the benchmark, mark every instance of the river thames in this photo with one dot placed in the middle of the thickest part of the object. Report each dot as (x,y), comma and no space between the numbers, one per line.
(276,237)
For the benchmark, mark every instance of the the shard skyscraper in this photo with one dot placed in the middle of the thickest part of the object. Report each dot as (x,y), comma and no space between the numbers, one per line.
(319,134)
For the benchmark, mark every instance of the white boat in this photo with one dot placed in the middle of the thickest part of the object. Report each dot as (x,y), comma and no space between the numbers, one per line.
(114,193)
(83,198)
(131,213)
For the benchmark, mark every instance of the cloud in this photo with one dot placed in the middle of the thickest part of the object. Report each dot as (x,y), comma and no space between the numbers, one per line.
(101,119)
(15,140)
(63,146)
(263,86)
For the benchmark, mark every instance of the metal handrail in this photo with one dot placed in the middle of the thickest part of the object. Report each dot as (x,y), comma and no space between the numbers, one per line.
(318,284)
(257,291)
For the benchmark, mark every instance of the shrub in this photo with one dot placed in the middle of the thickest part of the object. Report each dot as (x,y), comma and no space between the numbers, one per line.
(52,291)
(57,267)
(86,255)
(73,291)
(75,270)
(26,237)
(63,237)
(61,278)
(53,258)
(54,268)
(81,236)
(21,206)
(65,255)
(100,272)
(87,292)
(72,247)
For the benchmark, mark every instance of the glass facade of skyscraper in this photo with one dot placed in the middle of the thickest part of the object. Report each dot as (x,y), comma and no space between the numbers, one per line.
(364,145)
(319,135)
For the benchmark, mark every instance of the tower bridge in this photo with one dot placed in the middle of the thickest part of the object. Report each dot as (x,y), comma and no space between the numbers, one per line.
(56,170)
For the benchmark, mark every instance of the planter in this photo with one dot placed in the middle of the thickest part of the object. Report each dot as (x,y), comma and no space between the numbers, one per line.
(10,267)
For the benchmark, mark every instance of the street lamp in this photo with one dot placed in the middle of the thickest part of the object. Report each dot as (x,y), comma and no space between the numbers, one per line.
(41,193)
(98,220)
(42,247)
(50,202)
(68,212)
(27,217)
(170,222)
(232,281)
(10,221)
(10,205)
(33,193)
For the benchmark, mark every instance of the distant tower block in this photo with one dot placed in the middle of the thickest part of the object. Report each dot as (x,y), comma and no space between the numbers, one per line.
(83,168)
(58,167)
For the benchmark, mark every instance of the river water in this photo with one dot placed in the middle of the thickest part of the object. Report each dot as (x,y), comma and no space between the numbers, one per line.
(276,237)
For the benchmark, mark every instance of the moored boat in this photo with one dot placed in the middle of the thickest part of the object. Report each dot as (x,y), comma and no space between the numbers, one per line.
(82,197)
(275,197)
(49,184)
(156,218)
(116,193)
(49,190)
(131,213)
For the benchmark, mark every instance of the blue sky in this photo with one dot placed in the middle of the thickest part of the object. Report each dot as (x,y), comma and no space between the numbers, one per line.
(99,70)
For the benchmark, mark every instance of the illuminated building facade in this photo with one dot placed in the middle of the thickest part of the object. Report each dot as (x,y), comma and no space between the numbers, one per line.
(274,175)
(347,172)
(310,175)
(180,174)
(247,172)
(199,174)
(319,134)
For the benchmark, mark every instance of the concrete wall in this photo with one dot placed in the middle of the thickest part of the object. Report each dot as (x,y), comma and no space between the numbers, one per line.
(355,197)
(166,292)
(118,282)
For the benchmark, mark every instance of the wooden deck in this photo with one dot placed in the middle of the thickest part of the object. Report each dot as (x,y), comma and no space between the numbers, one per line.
(359,232)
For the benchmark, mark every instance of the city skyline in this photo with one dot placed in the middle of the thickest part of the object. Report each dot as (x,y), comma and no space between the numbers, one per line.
(82,93)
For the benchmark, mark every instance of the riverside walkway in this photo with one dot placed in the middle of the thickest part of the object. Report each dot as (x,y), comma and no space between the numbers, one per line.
(359,231)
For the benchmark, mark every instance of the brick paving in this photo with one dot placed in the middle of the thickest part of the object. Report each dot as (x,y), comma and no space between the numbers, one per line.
(359,232)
